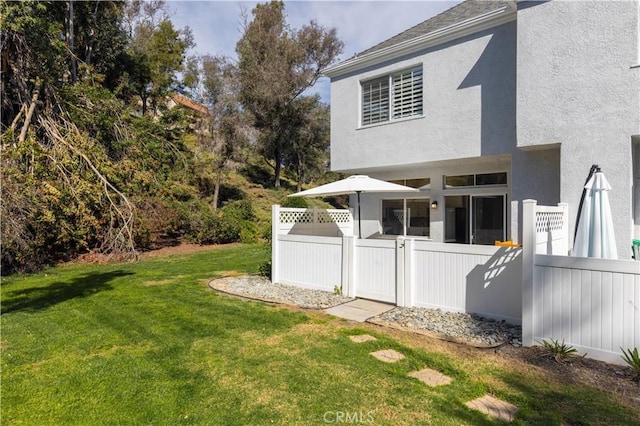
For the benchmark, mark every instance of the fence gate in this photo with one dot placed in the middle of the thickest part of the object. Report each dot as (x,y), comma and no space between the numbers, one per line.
(376,266)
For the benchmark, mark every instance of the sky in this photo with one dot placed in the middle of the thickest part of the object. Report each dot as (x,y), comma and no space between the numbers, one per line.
(217,25)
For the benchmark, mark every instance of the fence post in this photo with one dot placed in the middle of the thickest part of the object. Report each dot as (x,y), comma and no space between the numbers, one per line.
(404,274)
(515,232)
(348,266)
(528,259)
(565,228)
(314,223)
(275,232)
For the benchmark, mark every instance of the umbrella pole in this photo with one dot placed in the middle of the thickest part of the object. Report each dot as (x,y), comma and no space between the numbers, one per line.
(359,219)
(594,168)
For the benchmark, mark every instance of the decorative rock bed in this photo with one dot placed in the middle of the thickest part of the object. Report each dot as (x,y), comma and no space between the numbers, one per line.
(467,328)
(260,288)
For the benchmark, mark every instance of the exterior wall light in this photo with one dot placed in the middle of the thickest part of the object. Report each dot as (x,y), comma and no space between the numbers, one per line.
(434,205)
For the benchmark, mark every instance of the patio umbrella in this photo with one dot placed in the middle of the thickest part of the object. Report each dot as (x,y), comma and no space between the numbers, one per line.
(355,184)
(594,235)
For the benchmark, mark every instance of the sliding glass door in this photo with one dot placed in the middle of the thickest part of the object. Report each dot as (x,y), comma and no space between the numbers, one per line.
(471,219)
(488,225)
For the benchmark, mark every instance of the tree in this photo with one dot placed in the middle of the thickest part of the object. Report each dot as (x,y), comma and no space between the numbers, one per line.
(40,52)
(58,191)
(276,65)
(308,155)
(99,39)
(156,51)
(224,132)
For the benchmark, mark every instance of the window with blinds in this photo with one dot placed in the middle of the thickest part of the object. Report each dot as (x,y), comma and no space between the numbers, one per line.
(407,93)
(392,97)
(375,101)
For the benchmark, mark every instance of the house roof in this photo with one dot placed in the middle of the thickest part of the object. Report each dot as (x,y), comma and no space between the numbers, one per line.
(459,13)
(465,18)
(191,104)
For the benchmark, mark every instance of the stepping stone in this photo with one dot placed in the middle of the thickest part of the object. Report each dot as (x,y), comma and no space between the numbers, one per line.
(494,407)
(431,377)
(362,338)
(388,355)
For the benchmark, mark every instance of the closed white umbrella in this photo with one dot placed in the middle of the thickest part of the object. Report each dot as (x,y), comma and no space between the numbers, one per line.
(355,184)
(594,231)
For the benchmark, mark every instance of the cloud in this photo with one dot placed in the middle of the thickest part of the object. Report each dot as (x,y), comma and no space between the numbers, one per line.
(217,25)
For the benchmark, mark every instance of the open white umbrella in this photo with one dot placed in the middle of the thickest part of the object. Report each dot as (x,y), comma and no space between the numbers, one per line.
(594,230)
(355,184)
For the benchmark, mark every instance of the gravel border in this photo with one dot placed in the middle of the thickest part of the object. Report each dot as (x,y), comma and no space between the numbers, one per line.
(454,326)
(260,288)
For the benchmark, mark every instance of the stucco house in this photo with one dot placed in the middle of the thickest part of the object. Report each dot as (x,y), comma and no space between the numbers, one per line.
(488,104)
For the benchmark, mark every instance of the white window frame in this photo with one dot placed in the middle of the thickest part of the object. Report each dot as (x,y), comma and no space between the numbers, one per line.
(416,196)
(405,96)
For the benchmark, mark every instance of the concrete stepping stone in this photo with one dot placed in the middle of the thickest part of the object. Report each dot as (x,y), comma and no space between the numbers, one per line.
(494,407)
(431,377)
(359,310)
(362,338)
(388,355)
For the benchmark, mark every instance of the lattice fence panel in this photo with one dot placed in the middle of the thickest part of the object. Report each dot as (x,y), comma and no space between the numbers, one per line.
(549,221)
(296,216)
(334,216)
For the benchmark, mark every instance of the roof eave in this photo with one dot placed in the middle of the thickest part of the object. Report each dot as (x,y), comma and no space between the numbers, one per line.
(469,26)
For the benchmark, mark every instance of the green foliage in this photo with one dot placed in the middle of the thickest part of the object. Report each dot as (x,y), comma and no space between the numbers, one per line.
(632,358)
(203,225)
(264,270)
(242,212)
(83,170)
(558,350)
(276,65)
(154,57)
(158,220)
(295,202)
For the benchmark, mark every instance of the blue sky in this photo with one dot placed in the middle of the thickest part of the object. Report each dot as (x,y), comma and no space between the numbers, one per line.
(217,25)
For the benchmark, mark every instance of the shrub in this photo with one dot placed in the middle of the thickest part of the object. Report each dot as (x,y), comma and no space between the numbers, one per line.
(632,358)
(295,202)
(242,209)
(242,212)
(265,231)
(156,220)
(204,226)
(224,229)
(558,350)
(265,269)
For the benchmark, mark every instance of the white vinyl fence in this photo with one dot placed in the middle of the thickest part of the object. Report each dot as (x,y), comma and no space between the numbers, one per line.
(310,262)
(376,266)
(403,271)
(591,304)
(313,221)
(466,278)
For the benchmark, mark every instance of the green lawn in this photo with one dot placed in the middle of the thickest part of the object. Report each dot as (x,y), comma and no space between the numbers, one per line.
(149,343)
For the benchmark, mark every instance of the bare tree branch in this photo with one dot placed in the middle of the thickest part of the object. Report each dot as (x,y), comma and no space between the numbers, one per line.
(32,108)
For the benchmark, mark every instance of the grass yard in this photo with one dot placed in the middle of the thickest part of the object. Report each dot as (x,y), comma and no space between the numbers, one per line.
(150,343)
